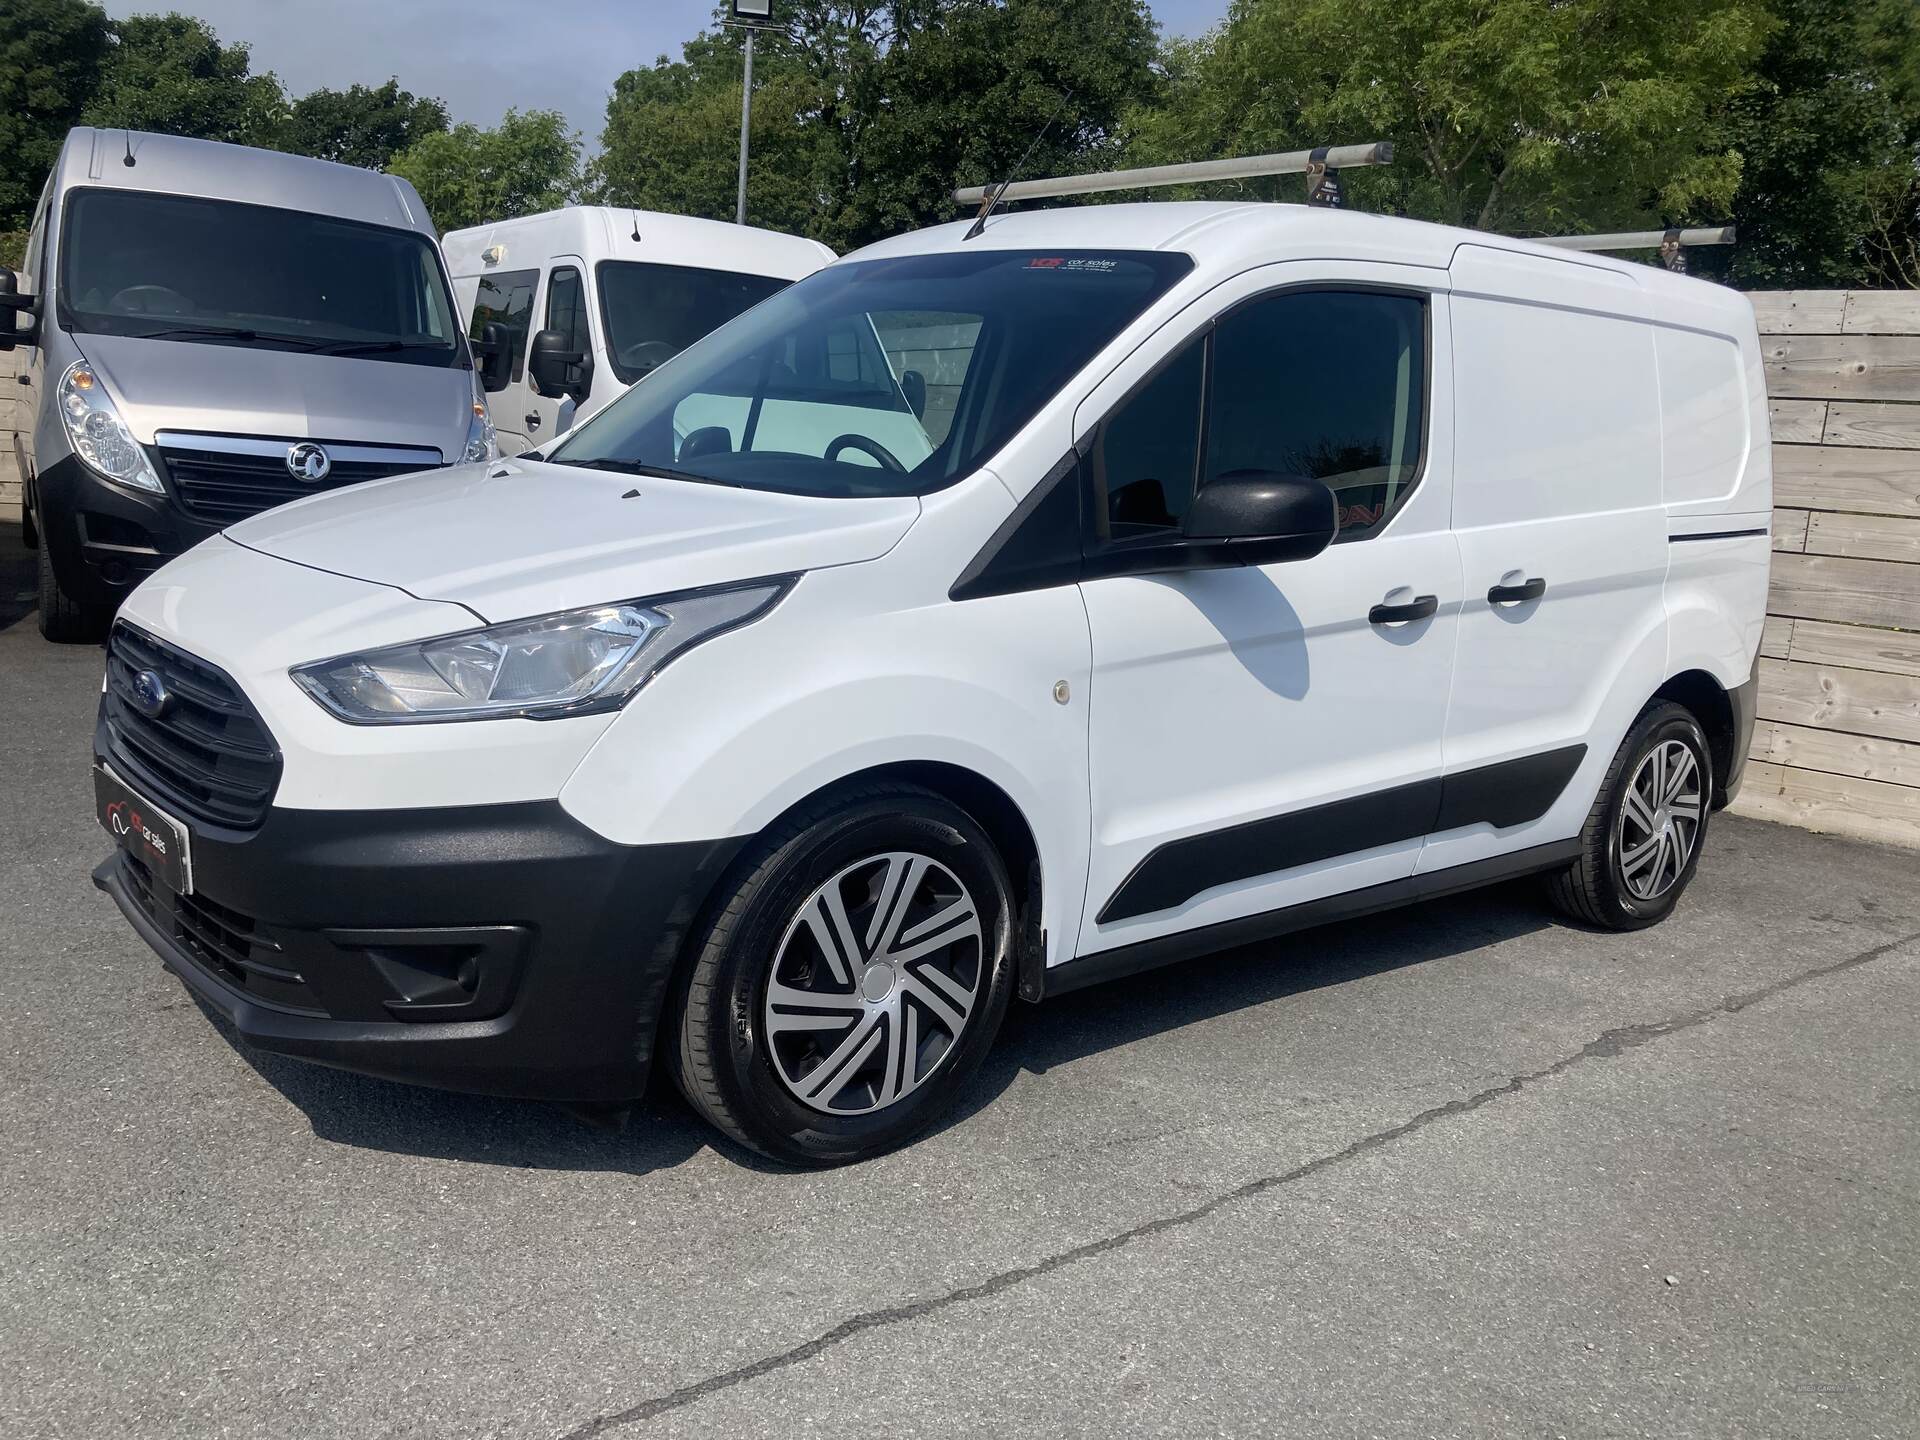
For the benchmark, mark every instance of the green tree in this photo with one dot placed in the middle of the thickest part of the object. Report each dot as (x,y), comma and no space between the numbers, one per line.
(1819,135)
(867,114)
(1530,116)
(170,74)
(50,57)
(360,125)
(467,176)
(1892,242)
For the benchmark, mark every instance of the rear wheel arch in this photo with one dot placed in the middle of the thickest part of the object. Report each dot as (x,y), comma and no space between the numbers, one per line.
(1710,704)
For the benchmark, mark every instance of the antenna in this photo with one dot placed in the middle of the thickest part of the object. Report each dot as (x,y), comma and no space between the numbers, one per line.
(988,202)
(129,162)
(1293,162)
(1670,243)
(635,214)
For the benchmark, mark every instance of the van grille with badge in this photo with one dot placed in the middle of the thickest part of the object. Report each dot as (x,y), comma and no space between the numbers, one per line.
(179,730)
(223,479)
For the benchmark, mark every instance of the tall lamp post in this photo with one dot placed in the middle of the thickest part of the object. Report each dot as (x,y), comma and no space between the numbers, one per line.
(752,14)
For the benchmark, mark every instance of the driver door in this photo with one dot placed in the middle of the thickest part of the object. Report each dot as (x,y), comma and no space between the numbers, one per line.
(1268,735)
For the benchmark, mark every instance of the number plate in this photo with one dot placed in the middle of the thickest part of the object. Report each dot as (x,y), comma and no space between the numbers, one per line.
(144,830)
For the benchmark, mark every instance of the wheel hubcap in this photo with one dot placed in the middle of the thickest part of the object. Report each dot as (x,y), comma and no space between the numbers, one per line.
(1659,822)
(873,983)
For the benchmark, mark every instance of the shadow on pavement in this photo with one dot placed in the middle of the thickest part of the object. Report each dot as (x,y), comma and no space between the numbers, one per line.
(19,579)
(663,1131)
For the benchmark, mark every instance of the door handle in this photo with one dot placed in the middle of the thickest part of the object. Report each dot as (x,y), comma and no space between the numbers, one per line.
(1419,608)
(533,421)
(1531,589)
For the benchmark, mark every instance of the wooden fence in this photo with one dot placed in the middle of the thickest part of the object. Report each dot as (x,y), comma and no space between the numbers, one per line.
(1837,745)
(14,406)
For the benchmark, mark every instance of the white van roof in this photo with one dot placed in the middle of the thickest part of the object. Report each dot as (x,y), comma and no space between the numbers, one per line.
(173,165)
(1225,238)
(605,232)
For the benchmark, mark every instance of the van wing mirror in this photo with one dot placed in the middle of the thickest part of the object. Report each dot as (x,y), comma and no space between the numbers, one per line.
(913,385)
(1263,518)
(12,304)
(493,352)
(557,368)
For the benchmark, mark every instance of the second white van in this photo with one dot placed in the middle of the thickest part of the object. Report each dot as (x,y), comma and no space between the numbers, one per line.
(568,308)
(1258,566)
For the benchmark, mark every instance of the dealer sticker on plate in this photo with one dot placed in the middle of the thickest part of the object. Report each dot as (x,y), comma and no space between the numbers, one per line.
(144,831)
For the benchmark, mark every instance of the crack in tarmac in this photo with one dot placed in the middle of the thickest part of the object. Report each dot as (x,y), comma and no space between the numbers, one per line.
(1610,1044)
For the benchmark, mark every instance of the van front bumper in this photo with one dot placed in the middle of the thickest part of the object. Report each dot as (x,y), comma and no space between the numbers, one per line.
(497,949)
(105,538)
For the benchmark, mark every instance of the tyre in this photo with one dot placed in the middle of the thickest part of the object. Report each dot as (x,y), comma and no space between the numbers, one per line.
(850,979)
(1642,840)
(64,620)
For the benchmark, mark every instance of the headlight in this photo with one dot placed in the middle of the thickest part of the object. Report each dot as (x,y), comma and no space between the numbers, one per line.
(571,664)
(481,444)
(98,435)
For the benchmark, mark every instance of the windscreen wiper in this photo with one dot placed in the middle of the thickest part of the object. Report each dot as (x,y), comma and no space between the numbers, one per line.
(360,347)
(244,336)
(636,467)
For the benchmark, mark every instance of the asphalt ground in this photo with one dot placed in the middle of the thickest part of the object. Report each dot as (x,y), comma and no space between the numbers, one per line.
(1460,1170)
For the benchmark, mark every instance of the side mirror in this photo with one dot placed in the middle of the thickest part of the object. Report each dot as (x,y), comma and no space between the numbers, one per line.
(1260,518)
(13,303)
(493,351)
(913,385)
(557,369)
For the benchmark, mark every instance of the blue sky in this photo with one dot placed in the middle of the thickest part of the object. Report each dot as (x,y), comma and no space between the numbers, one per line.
(482,56)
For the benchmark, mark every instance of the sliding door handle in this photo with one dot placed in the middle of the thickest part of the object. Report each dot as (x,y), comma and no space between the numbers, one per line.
(1513,594)
(1419,608)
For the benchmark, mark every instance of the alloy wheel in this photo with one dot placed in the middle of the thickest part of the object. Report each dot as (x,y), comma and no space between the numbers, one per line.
(1659,822)
(873,983)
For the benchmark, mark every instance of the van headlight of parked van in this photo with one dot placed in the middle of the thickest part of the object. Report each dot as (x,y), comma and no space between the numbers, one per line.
(97,433)
(572,664)
(481,443)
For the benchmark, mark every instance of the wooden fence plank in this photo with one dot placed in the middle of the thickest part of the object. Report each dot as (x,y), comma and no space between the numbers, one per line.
(1797,422)
(1864,537)
(1842,367)
(1776,637)
(1896,762)
(1834,804)
(1854,592)
(1826,697)
(1854,647)
(1883,312)
(1872,423)
(1800,312)
(1844,477)
(1790,529)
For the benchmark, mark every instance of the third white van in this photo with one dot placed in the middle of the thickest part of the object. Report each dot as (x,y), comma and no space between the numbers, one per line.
(568,308)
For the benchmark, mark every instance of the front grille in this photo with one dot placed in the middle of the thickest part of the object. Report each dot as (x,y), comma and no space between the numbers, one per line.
(222,488)
(208,756)
(223,942)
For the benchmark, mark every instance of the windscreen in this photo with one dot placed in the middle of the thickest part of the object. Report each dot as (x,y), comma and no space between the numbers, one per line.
(882,377)
(653,312)
(172,267)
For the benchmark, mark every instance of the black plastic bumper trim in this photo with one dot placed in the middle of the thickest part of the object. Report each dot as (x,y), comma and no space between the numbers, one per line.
(603,927)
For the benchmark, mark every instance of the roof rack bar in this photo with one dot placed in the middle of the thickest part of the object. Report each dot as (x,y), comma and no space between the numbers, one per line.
(1293,162)
(1642,239)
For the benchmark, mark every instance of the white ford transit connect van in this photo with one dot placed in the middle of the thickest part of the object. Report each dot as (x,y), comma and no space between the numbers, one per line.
(615,293)
(1258,566)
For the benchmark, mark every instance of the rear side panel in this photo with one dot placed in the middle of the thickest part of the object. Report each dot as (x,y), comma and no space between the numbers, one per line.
(1717,469)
